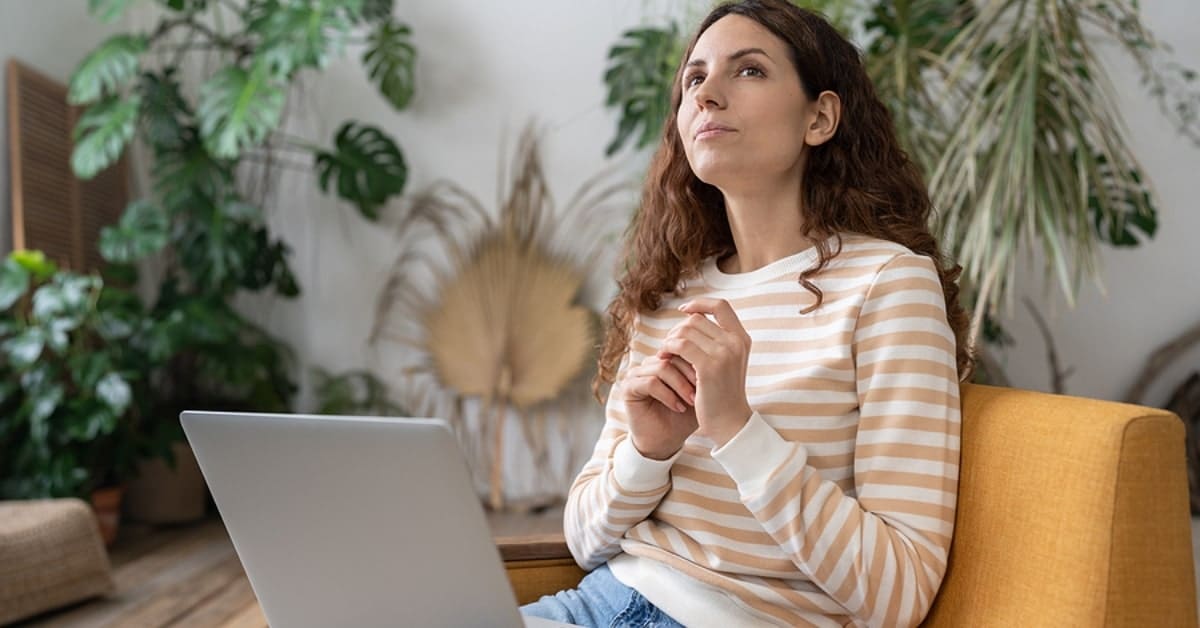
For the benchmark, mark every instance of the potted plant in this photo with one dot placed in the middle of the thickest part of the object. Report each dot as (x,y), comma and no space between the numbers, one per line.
(214,152)
(1034,153)
(70,376)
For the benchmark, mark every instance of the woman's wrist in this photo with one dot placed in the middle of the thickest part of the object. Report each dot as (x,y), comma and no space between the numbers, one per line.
(728,429)
(654,453)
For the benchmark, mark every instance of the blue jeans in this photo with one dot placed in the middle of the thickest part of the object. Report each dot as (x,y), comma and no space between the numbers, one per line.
(601,601)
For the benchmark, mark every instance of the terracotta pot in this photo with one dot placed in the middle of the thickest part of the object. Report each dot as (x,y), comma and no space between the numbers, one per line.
(160,494)
(106,503)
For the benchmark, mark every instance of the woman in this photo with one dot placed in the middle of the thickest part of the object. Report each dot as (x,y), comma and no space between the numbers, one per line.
(781,443)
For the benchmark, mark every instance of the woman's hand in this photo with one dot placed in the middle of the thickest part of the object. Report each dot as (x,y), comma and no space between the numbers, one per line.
(658,396)
(718,353)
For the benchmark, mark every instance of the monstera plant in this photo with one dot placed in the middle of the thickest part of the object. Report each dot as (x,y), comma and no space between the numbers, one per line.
(206,92)
(1006,106)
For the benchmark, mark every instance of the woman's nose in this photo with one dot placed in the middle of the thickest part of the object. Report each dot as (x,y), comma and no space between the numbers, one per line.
(708,95)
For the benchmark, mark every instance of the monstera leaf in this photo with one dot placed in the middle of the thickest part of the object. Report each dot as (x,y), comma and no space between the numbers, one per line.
(164,110)
(368,165)
(389,60)
(106,69)
(141,231)
(296,34)
(102,133)
(238,109)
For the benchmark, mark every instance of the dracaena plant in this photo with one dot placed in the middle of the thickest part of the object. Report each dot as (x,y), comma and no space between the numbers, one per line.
(70,364)
(213,143)
(1006,106)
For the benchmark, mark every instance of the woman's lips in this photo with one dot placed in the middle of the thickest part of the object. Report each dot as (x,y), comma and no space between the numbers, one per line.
(713,132)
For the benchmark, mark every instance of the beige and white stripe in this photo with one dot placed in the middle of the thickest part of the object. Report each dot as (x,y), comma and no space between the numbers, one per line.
(836,504)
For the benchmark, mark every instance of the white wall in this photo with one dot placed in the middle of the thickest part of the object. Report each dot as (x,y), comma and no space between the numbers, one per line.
(486,68)
(52,37)
(1152,291)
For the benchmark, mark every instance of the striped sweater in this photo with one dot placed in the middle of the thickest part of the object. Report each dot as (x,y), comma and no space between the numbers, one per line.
(835,504)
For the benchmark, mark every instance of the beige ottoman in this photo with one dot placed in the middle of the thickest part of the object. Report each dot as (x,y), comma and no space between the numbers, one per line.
(50,555)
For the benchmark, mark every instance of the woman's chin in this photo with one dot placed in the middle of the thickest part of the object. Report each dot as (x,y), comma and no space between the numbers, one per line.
(722,176)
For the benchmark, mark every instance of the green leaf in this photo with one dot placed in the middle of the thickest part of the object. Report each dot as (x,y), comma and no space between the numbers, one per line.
(164,111)
(376,10)
(67,294)
(639,78)
(35,262)
(57,330)
(108,11)
(114,391)
(106,69)
(185,6)
(142,231)
(23,350)
(368,165)
(243,211)
(189,177)
(113,327)
(238,110)
(296,34)
(102,133)
(14,281)
(87,368)
(8,390)
(390,61)
(41,407)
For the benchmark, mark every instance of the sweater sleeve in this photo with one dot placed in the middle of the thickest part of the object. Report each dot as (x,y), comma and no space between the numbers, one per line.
(616,489)
(882,552)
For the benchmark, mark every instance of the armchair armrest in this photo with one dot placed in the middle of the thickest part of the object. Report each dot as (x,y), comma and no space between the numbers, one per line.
(538,564)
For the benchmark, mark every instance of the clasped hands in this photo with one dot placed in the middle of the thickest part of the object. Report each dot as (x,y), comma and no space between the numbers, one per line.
(696,383)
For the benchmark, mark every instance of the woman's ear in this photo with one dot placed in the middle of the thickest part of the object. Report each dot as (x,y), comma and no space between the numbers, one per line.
(828,108)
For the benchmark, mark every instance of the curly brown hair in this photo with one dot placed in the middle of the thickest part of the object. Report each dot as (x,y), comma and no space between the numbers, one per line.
(859,181)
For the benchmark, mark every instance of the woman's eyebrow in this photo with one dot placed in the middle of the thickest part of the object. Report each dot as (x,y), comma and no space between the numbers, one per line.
(733,57)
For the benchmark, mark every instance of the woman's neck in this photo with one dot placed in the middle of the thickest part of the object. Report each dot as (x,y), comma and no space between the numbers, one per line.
(765,227)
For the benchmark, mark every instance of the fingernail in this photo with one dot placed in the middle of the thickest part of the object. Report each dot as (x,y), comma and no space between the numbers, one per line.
(680,408)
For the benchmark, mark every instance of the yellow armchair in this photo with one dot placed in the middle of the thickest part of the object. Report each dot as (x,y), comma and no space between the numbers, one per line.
(1071,512)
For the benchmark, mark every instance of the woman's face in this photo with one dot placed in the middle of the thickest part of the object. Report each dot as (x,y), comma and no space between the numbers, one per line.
(744,114)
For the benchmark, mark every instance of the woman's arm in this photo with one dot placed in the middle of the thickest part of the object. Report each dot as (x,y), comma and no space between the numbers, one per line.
(882,552)
(617,488)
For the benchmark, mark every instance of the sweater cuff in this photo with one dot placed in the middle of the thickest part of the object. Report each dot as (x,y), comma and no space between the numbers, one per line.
(754,454)
(636,473)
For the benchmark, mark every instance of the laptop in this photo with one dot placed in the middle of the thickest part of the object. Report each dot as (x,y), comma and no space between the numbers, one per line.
(354,521)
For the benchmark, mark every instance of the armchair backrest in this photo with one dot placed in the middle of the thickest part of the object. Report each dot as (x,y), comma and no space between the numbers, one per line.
(1071,512)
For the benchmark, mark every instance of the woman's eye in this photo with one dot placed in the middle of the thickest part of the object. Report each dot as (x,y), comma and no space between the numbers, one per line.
(693,80)
(750,71)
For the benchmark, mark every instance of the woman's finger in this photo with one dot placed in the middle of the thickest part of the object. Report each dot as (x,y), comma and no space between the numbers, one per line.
(701,340)
(674,378)
(651,387)
(684,368)
(719,308)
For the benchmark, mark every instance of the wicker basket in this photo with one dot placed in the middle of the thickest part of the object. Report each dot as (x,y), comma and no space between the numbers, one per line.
(51,555)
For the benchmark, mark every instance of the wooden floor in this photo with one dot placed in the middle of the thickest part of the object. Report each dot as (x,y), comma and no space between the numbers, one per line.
(190,576)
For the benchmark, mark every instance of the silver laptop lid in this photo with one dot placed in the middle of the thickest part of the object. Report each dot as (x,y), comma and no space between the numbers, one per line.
(353,521)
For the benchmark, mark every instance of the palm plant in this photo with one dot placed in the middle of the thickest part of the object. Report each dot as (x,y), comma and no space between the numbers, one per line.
(203,218)
(489,310)
(1007,107)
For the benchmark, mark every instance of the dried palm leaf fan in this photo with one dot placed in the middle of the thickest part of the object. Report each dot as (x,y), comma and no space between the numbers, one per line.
(502,322)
